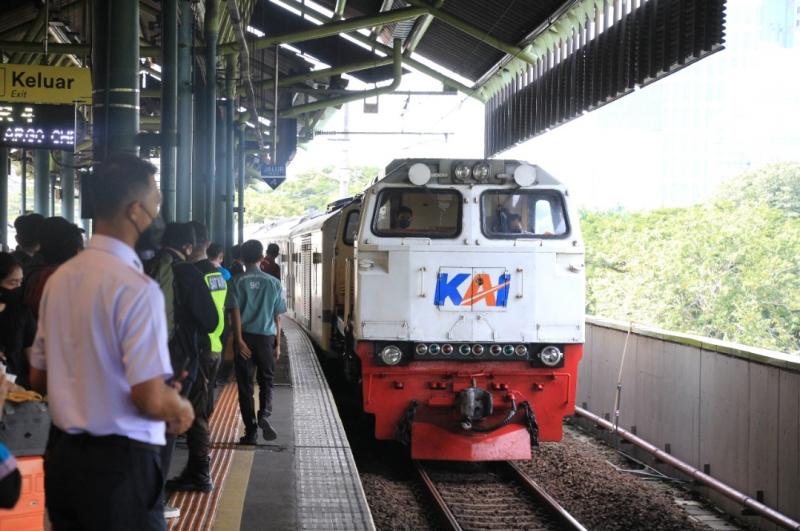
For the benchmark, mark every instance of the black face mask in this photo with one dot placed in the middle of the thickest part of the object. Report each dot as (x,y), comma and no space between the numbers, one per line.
(11,297)
(150,238)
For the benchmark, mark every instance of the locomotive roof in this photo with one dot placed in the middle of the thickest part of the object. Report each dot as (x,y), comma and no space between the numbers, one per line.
(500,171)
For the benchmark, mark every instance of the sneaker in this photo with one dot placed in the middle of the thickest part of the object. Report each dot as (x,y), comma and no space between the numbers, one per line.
(170,511)
(250,439)
(266,429)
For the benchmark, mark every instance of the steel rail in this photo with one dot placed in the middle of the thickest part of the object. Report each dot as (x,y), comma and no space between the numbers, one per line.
(445,512)
(566,519)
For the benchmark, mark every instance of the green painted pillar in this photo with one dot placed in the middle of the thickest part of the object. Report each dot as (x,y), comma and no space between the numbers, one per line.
(240,179)
(4,171)
(230,143)
(68,185)
(218,232)
(210,110)
(115,68)
(169,105)
(41,182)
(183,184)
(23,205)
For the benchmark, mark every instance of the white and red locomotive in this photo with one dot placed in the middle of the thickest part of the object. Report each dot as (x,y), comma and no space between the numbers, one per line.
(453,293)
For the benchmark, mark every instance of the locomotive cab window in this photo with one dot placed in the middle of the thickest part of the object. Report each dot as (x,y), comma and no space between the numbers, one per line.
(416,213)
(351,227)
(523,214)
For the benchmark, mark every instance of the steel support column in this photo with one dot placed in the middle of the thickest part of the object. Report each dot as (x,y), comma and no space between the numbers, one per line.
(183,184)
(210,111)
(23,204)
(240,178)
(41,182)
(220,180)
(4,167)
(169,106)
(115,62)
(230,109)
(68,185)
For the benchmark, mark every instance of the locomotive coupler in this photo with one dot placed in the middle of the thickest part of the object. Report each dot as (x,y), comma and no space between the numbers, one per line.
(473,404)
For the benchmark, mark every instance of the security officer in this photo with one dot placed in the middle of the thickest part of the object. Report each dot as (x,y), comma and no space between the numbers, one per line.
(101,350)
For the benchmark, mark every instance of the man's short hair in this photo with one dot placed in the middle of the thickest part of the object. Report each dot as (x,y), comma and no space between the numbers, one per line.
(236,252)
(117,181)
(177,235)
(200,232)
(28,228)
(61,240)
(252,251)
(273,250)
(214,250)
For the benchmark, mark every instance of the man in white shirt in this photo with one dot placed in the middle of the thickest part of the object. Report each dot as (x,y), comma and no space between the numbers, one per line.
(101,351)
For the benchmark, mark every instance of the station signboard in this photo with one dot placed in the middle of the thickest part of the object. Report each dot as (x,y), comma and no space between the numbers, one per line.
(273,174)
(37,126)
(45,84)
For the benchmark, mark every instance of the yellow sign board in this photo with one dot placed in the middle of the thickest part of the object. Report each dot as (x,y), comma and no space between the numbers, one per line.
(45,84)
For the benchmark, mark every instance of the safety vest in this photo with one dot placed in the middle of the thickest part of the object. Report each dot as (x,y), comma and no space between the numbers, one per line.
(219,290)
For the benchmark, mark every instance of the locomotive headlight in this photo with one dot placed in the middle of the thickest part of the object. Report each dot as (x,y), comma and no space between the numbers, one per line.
(508,350)
(480,171)
(525,175)
(551,356)
(421,349)
(464,350)
(462,172)
(495,350)
(434,349)
(477,349)
(391,355)
(521,350)
(447,349)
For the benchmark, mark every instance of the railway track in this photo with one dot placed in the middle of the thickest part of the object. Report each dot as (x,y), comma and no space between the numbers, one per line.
(488,496)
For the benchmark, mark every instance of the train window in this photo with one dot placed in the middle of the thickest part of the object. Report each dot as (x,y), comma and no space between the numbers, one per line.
(351,227)
(418,213)
(523,214)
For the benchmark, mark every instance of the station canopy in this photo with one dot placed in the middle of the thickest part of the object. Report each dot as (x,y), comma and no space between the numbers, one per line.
(534,63)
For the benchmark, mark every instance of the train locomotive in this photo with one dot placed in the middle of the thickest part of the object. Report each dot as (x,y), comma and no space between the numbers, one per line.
(452,291)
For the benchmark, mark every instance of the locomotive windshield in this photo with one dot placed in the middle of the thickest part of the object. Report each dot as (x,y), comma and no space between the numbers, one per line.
(523,214)
(418,213)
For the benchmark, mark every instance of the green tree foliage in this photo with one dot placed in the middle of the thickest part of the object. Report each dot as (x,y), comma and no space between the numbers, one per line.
(308,192)
(728,269)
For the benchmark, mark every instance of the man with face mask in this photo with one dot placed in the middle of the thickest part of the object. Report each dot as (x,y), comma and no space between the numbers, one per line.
(190,312)
(101,351)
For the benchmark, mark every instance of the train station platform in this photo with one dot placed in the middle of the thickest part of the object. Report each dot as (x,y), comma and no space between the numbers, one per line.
(304,479)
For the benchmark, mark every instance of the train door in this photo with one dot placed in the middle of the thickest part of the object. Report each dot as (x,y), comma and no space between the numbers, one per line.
(343,265)
(307,259)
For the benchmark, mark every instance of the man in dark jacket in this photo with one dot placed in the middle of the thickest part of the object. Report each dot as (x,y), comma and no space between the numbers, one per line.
(196,476)
(190,309)
(268,264)
(28,228)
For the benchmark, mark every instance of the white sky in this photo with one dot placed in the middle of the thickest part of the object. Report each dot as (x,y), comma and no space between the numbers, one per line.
(668,144)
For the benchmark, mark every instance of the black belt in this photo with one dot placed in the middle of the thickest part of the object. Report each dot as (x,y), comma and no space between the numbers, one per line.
(102,440)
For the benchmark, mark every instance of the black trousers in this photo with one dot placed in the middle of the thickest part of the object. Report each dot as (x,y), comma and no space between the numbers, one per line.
(102,483)
(262,362)
(201,397)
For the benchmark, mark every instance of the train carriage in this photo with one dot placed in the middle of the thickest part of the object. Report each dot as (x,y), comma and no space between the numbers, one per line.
(453,293)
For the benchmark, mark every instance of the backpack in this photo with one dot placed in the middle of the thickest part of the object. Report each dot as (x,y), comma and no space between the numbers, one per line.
(160,269)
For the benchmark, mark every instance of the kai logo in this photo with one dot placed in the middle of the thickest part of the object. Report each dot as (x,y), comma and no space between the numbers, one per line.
(472,288)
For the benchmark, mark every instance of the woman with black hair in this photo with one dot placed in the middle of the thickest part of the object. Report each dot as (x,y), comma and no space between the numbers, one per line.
(17,325)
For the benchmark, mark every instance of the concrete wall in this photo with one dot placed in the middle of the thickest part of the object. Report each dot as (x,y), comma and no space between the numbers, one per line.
(728,407)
